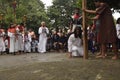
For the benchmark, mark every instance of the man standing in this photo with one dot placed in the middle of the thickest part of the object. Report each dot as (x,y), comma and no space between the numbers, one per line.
(20,30)
(107,31)
(76,20)
(12,36)
(43,31)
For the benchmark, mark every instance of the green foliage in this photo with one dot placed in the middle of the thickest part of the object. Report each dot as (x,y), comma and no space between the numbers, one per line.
(115,4)
(61,11)
(33,9)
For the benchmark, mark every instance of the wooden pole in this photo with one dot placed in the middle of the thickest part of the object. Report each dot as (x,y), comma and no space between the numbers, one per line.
(85,41)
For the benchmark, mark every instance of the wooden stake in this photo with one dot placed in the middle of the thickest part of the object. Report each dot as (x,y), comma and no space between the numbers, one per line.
(85,41)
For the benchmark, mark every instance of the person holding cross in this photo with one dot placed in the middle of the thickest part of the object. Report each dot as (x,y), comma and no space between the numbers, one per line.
(107,32)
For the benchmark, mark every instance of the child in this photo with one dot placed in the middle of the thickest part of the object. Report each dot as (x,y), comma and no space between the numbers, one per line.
(6,44)
(27,43)
(34,45)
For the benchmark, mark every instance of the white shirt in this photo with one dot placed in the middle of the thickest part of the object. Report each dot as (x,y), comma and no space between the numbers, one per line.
(118,30)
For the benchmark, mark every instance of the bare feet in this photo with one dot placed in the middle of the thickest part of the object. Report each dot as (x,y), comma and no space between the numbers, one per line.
(69,55)
(115,57)
(101,56)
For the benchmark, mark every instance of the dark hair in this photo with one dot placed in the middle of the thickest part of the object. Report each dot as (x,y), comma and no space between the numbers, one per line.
(77,8)
(21,24)
(118,21)
(80,32)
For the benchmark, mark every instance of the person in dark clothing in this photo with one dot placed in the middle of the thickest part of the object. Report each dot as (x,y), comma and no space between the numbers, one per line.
(55,38)
(107,32)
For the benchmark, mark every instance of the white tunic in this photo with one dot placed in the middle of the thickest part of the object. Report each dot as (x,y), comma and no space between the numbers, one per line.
(43,31)
(27,43)
(2,44)
(20,40)
(118,30)
(75,46)
(12,42)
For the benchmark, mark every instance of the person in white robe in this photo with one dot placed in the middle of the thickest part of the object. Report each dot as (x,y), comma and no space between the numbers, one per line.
(118,32)
(27,42)
(43,31)
(16,41)
(11,34)
(20,38)
(75,47)
(2,44)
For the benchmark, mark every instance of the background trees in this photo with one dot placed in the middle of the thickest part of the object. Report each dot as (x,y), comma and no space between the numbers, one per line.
(57,15)
(33,9)
(115,4)
(61,12)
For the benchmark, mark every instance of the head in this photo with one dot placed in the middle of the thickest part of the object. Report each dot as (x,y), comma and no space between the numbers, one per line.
(78,32)
(54,32)
(77,10)
(98,2)
(13,25)
(60,30)
(118,21)
(33,39)
(43,24)
(30,30)
(26,33)
(21,24)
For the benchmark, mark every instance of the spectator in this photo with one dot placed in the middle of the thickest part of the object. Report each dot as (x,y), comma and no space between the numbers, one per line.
(43,31)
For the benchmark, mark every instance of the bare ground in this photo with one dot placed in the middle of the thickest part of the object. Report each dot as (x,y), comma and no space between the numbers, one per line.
(56,66)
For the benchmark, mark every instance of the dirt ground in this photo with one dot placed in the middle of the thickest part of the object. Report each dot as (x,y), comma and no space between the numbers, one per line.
(57,66)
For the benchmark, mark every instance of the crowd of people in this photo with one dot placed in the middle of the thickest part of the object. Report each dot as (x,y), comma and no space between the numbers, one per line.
(102,34)
(17,40)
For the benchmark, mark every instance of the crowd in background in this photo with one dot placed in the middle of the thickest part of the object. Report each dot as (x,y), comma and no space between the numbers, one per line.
(17,40)
(26,41)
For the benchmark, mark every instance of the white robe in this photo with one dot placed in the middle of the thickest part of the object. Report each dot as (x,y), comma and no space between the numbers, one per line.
(75,46)
(16,45)
(42,39)
(118,30)
(20,40)
(27,43)
(2,44)
(12,42)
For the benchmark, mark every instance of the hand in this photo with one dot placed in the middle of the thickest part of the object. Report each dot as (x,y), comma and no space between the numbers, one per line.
(84,9)
(88,18)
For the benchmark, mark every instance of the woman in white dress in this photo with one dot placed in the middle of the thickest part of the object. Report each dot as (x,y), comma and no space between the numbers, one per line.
(75,47)
(2,44)
(43,31)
